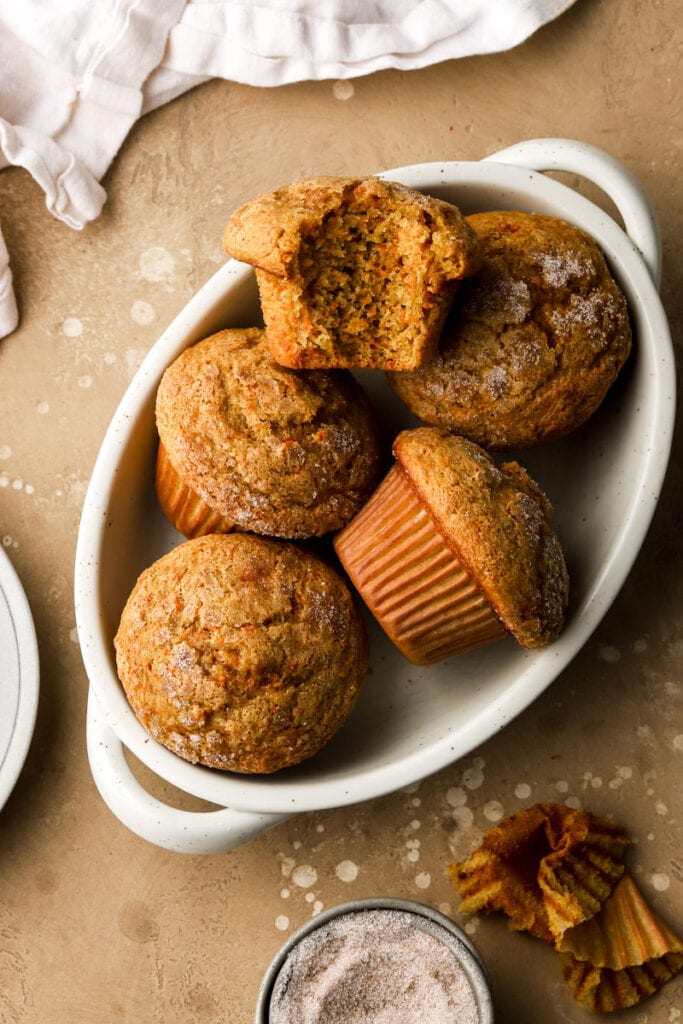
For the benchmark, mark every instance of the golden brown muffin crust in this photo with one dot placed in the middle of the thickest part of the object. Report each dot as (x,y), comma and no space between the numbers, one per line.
(354,272)
(536,340)
(290,454)
(241,652)
(498,522)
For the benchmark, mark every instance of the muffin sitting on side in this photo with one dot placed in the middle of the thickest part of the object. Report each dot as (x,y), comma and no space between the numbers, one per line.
(241,652)
(246,443)
(537,339)
(452,551)
(353,272)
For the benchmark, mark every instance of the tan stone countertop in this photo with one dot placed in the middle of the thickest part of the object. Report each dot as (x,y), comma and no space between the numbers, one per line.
(99,926)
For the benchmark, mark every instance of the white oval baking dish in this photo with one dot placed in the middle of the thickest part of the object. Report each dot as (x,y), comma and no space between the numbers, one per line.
(604,481)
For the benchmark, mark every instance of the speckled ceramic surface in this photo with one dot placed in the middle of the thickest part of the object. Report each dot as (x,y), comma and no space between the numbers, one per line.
(155,936)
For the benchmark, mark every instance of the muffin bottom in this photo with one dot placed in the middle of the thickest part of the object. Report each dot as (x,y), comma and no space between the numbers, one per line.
(411,580)
(187,511)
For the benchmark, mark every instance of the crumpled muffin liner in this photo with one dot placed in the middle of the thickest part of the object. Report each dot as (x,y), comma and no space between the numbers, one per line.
(558,874)
(548,868)
(602,990)
(621,955)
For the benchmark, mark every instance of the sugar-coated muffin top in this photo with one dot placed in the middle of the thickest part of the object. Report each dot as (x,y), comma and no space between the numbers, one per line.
(499,524)
(276,451)
(534,341)
(241,652)
(267,231)
(353,272)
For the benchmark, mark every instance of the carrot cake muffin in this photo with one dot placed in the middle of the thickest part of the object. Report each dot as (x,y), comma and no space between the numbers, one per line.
(249,444)
(537,338)
(353,272)
(452,551)
(241,652)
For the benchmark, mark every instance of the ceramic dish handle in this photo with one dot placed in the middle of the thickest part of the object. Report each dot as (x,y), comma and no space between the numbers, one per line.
(149,818)
(606,172)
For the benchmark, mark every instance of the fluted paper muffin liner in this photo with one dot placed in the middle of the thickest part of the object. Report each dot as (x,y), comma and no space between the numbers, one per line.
(411,580)
(548,868)
(602,990)
(558,874)
(625,933)
(187,511)
(622,955)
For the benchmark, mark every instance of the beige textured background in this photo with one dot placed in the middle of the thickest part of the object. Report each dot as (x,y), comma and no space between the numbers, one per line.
(96,925)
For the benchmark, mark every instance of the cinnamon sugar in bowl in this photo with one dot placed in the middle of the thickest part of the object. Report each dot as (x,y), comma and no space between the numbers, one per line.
(385,961)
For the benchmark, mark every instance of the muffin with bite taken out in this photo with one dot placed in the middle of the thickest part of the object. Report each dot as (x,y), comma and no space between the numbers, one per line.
(353,272)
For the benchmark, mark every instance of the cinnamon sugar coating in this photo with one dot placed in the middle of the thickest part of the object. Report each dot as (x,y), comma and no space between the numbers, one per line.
(353,272)
(274,451)
(536,340)
(241,652)
(498,523)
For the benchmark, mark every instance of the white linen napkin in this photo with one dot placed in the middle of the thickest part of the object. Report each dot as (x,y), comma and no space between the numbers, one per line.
(76,74)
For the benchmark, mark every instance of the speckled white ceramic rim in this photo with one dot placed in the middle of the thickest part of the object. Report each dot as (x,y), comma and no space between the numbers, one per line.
(19,682)
(512,176)
(446,931)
